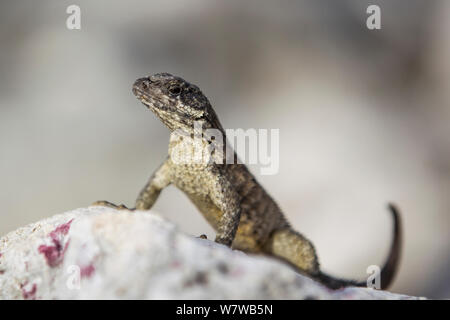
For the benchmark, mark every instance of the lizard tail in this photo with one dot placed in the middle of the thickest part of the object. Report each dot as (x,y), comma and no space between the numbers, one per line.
(389,269)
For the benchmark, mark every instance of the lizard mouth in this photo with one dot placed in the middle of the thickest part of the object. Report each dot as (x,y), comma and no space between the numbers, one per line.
(142,90)
(151,101)
(139,94)
(143,97)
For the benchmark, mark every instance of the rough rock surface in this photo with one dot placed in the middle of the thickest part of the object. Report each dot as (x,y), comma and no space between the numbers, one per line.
(101,253)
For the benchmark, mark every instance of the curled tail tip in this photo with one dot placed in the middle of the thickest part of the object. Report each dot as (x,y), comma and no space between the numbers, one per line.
(390,267)
(393,209)
(397,232)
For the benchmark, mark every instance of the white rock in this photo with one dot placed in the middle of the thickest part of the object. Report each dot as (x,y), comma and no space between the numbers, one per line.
(101,253)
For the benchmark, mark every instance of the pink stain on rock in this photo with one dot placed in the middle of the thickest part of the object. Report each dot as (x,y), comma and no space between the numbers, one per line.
(237,272)
(87,271)
(29,294)
(62,229)
(54,253)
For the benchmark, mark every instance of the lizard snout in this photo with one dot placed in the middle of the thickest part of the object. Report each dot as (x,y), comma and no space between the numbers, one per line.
(140,85)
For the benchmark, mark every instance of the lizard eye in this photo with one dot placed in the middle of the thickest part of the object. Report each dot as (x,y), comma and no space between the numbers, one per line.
(175,90)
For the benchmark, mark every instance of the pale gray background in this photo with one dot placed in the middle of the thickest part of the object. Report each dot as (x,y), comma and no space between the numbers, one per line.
(364,116)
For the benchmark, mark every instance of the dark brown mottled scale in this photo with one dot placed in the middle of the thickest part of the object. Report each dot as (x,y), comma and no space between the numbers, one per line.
(260,215)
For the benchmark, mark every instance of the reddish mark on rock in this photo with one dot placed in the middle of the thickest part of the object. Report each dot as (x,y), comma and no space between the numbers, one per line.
(29,294)
(62,229)
(238,272)
(87,271)
(54,254)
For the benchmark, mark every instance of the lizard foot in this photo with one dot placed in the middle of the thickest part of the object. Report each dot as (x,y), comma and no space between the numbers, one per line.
(202,236)
(225,241)
(112,205)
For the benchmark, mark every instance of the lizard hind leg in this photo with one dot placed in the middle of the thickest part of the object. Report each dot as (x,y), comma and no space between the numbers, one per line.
(290,246)
(112,205)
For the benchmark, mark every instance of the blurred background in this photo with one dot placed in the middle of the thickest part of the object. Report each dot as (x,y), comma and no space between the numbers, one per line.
(364,115)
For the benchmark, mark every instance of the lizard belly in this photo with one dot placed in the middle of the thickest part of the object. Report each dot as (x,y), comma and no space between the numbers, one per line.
(245,238)
(209,210)
(259,215)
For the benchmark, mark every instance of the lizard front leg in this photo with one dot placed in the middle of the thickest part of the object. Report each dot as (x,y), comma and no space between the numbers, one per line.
(227,200)
(147,197)
(158,181)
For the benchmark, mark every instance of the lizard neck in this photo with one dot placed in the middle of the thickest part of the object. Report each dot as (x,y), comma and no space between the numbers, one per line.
(197,149)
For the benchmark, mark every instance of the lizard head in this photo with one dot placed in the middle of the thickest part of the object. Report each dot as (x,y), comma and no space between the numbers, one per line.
(175,101)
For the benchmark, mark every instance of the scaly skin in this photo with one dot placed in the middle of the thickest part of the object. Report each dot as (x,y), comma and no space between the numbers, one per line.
(232,201)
